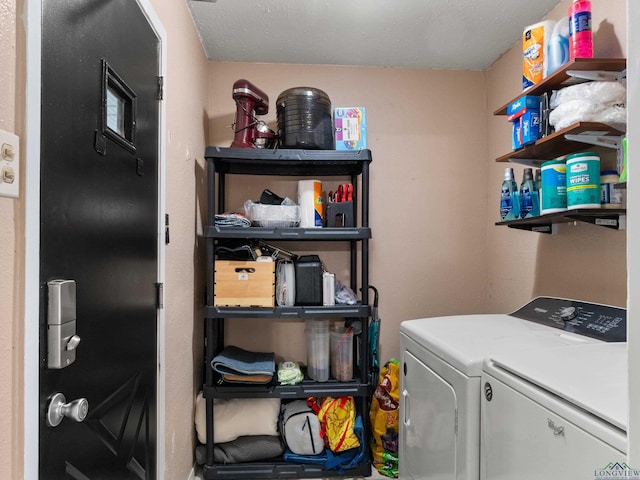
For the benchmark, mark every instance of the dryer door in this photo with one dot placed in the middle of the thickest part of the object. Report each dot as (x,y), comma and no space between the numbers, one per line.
(428,414)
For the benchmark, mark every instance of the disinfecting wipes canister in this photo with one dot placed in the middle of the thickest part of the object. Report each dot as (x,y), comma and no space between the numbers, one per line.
(583,180)
(553,187)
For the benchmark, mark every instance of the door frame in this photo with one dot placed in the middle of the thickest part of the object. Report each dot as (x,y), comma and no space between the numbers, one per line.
(33,33)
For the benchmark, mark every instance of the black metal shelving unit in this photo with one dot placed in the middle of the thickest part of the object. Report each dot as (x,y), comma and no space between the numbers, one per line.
(287,162)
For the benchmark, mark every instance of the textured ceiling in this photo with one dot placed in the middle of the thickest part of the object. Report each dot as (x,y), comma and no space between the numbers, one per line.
(451,34)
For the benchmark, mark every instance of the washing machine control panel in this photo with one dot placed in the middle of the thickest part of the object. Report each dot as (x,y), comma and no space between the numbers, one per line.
(590,319)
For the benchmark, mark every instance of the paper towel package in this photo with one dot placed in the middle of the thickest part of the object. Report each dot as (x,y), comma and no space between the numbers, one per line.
(535,39)
(310,201)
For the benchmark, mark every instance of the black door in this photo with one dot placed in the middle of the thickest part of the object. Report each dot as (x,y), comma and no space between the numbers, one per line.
(99,228)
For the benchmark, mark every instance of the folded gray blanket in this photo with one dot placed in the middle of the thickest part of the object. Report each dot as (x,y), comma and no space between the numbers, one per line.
(238,365)
(243,449)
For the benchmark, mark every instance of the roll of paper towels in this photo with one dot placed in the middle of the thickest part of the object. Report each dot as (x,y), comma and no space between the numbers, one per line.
(535,40)
(310,201)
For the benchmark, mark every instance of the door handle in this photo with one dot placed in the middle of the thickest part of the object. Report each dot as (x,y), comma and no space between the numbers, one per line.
(407,415)
(58,408)
(557,430)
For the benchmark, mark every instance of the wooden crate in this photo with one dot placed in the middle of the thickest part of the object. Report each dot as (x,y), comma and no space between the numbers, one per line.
(244,284)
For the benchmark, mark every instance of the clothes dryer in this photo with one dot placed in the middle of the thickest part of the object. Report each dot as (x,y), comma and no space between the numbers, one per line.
(441,367)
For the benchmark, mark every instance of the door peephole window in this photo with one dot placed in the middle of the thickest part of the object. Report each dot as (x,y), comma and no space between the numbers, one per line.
(115,112)
(118,109)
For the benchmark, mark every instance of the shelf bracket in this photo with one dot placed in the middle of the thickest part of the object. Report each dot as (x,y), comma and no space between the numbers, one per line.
(528,162)
(548,228)
(615,222)
(597,75)
(608,141)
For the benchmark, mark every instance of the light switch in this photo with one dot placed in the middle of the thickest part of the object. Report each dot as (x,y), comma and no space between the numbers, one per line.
(9,164)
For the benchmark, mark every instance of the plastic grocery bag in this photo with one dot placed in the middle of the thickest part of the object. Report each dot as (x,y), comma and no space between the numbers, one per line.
(383,417)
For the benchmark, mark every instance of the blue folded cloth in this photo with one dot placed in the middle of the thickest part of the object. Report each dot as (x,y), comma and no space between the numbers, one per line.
(238,365)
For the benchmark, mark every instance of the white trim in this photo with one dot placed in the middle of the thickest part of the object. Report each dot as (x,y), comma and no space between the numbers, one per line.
(33,24)
(160,32)
(633,220)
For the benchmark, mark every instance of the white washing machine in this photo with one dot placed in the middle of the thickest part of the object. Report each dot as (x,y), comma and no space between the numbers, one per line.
(561,415)
(441,368)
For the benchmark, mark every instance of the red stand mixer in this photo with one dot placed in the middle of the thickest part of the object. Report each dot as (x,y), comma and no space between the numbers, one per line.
(249,132)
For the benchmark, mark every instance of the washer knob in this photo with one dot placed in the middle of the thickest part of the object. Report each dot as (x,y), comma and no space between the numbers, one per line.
(568,313)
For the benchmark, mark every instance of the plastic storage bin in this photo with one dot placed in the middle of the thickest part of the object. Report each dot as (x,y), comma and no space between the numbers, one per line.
(318,351)
(272,216)
(341,353)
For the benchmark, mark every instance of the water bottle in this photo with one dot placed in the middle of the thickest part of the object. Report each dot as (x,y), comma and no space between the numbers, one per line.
(529,201)
(580,34)
(509,202)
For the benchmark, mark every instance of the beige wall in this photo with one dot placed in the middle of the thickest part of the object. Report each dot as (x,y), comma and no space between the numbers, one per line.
(427,133)
(11,241)
(582,261)
(186,97)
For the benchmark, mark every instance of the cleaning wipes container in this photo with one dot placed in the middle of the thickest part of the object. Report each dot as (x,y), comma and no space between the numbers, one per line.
(583,180)
(611,196)
(553,189)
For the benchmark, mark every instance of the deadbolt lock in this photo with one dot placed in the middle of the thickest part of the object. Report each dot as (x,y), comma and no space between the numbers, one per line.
(62,340)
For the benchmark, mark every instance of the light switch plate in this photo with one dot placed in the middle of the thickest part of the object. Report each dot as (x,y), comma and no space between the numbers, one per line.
(9,164)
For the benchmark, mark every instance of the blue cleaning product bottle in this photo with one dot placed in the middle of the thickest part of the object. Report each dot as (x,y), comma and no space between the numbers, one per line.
(538,186)
(509,201)
(558,47)
(529,200)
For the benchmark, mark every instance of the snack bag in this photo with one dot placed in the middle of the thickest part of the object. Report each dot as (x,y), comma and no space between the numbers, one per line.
(383,416)
(338,415)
